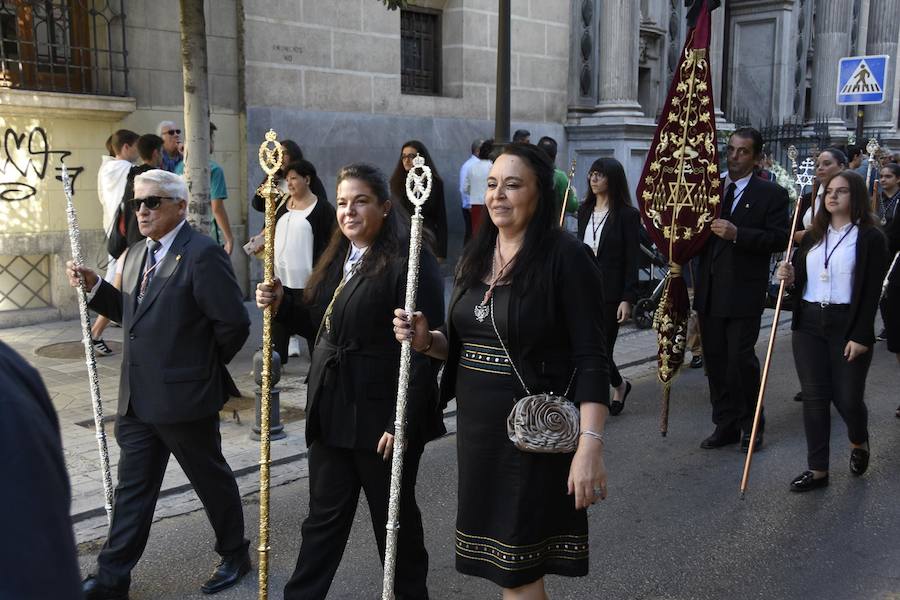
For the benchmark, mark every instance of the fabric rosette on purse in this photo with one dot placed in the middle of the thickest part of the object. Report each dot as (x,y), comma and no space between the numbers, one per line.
(544,423)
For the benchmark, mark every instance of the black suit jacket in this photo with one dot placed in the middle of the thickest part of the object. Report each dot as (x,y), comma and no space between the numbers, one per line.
(617,253)
(871,265)
(39,559)
(352,384)
(554,328)
(733,277)
(190,324)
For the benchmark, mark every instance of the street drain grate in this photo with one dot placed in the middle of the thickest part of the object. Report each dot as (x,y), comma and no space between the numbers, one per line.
(71,350)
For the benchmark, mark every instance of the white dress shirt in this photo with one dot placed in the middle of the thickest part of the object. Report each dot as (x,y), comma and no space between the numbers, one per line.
(294,247)
(355,256)
(598,221)
(817,204)
(463,171)
(835,284)
(739,186)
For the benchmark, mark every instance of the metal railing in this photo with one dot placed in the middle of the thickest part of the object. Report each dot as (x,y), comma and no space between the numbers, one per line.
(75,46)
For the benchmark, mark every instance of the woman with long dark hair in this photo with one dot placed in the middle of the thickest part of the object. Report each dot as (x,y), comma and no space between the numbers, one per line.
(434,211)
(352,388)
(610,226)
(522,320)
(837,273)
(829,163)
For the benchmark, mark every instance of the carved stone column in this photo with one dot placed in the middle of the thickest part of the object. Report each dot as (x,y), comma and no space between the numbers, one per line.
(831,42)
(617,69)
(884,22)
(717,58)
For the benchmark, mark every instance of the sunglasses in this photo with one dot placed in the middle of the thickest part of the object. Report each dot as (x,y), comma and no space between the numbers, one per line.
(173,132)
(151,202)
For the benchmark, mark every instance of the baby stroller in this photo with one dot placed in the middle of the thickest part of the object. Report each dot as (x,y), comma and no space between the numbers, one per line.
(651,279)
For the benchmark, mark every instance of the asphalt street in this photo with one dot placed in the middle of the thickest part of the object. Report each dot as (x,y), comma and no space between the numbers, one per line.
(673,527)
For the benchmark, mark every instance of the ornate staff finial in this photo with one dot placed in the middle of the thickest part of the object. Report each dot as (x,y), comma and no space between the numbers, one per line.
(418,186)
(872,146)
(271,154)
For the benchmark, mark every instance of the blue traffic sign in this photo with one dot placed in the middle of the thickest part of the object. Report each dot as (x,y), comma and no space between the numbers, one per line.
(862,79)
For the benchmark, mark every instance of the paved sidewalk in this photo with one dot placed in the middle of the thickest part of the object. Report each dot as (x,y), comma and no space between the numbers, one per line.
(67,382)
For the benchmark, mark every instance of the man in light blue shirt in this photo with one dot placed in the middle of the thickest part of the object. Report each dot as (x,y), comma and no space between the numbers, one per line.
(464,197)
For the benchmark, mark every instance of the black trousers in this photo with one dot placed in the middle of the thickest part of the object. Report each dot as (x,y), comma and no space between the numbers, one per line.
(281,335)
(611,332)
(732,369)
(335,478)
(826,377)
(467,221)
(144,454)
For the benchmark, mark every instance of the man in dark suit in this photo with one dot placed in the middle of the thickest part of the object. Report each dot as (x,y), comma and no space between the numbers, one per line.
(731,288)
(38,558)
(183,319)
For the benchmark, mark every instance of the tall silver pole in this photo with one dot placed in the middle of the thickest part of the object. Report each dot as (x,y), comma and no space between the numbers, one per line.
(90,359)
(418,188)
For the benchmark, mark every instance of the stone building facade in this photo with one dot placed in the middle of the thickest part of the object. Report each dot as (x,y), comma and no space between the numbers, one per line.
(351,81)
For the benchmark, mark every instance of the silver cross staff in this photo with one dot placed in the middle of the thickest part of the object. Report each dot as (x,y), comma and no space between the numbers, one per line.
(90,359)
(418,189)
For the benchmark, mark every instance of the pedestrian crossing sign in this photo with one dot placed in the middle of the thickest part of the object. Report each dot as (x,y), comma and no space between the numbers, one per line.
(862,79)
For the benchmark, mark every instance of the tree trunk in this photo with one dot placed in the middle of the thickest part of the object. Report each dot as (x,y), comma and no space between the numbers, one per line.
(196,113)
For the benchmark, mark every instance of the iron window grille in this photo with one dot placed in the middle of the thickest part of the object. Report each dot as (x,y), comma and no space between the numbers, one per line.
(420,51)
(75,46)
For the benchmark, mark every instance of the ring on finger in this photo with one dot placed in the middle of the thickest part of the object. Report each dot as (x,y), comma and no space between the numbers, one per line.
(598,491)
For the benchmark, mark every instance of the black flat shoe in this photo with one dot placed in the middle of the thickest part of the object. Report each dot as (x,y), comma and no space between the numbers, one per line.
(859,461)
(227,573)
(806,481)
(617,406)
(745,443)
(798,397)
(721,437)
(697,362)
(94,590)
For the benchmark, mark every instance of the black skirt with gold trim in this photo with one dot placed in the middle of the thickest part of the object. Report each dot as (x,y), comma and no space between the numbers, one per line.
(515,522)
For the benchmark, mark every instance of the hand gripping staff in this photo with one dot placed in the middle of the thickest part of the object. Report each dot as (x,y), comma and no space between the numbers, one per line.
(90,359)
(418,188)
(799,181)
(271,155)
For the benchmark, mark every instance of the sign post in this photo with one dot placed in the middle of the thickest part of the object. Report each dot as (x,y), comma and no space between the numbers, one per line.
(861,81)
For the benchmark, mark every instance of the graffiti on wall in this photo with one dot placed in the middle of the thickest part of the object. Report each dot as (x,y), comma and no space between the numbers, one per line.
(27,156)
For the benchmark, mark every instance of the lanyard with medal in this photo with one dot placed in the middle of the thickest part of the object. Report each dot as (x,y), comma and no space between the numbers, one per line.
(823,276)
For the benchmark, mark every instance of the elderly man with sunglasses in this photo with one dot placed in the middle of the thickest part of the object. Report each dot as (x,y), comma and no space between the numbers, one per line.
(173,146)
(183,319)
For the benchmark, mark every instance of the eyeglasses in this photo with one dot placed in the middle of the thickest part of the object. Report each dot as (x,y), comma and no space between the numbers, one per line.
(172,132)
(408,156)
(151,202)
(595,175)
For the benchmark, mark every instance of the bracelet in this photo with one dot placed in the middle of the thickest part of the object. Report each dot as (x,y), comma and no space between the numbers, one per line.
(593,434)
(428,347)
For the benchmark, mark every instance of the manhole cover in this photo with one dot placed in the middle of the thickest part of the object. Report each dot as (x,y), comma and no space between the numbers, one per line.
(72,350)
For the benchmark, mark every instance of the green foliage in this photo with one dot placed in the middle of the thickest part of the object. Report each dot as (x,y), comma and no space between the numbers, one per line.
(395,4)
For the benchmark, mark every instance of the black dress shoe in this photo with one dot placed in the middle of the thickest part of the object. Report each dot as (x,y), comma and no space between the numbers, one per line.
(228,572)
(745,442)
(697,361)
(617,406)
(859,461)
(806,481)
(94,590)
(721,437)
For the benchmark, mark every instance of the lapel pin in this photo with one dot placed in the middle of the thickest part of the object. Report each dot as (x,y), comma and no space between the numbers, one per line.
(178,257)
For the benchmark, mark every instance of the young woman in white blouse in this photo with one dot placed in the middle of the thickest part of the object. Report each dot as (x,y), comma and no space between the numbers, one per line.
(303,228)
(610,225)
(837,272)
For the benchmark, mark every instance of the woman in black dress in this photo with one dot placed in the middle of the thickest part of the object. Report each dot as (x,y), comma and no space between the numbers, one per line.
(521,515)
(611,226)
(352,386)
(837,272)
(434,211)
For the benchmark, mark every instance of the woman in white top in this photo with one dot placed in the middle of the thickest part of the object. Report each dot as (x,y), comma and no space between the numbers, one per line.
(303,228)
(475,184)
(837,274)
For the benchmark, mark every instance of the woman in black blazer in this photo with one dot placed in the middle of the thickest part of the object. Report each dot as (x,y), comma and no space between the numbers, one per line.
(610,226)
(523,310)
(353,379)
(837,272)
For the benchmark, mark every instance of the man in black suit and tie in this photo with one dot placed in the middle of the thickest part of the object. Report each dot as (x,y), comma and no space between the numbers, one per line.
(184,320)
(731,288)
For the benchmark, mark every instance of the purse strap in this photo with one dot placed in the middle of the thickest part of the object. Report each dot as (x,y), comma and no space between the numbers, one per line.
(513,365)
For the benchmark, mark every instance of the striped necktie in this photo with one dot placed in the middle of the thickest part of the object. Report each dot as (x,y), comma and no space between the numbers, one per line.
(149,266)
